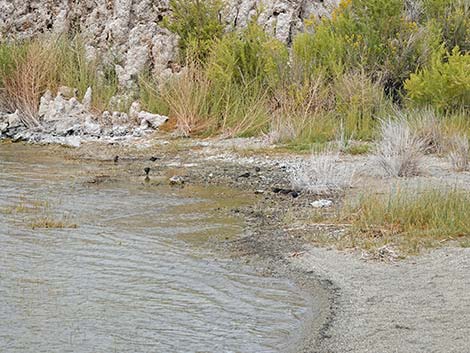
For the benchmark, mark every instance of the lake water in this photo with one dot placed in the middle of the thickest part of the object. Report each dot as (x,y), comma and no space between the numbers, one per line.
(137,274)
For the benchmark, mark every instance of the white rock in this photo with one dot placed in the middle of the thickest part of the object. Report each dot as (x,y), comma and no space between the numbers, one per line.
(322,203)
(87,98)
(72,141)
(153,121)
(134,110)
(14,120)
(44,104)
(91,128)
(176,180)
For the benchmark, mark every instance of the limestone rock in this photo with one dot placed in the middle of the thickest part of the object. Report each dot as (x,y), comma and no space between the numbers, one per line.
(87,99)
(131,32)
(150,120)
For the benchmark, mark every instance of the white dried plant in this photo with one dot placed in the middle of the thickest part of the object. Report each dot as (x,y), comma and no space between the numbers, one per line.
(322,173)
(427,126)
(399,151)
(459,154)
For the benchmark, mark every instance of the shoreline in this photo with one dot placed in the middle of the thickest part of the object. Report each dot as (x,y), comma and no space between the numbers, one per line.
(418,304)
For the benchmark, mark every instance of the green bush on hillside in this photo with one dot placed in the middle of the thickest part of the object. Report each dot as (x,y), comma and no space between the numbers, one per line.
(246,57)
(374,35)
(453,20)
(197,22)
(444,85)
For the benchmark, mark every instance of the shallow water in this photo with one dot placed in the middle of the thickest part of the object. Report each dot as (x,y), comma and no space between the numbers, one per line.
(136,275)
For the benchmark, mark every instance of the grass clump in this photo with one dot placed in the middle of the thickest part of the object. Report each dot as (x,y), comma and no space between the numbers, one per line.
(408,219)
(459,155)
(47,222)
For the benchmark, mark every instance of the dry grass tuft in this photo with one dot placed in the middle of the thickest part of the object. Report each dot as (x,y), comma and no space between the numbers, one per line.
(187,100)
(459,155)
(33,74)
(322,173)
(428,127)
(399,151)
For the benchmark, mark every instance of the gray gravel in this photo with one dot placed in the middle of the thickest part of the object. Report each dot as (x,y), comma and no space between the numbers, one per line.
(418,305)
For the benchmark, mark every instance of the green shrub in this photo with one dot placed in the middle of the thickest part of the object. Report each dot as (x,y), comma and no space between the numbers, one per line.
(360,103)
(453,19)
(246,57)
(444,85)
(374,35)
(197,22)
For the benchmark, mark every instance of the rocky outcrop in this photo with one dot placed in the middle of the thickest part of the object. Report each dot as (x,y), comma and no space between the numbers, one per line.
(128,33)
(70,121)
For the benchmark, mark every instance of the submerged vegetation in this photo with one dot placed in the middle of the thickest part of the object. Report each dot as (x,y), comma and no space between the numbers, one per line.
(37,214)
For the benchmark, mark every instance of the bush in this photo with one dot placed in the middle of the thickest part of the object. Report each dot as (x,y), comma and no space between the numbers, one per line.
(359,102)
(453,20)
(322,173)
(444,85)
(202,108)
(246,57)
(197,22)
(302,113)
(28,76)
(459,155)
(374,35)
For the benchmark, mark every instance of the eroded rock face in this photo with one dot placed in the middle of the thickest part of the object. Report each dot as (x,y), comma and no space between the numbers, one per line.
(128,33)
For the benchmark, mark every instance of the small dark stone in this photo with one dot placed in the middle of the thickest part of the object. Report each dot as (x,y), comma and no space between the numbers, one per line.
(153,159)
(285,191)
(257,169)
(147,170)
(116,159)
(245,175)
(276,190)
(294,194)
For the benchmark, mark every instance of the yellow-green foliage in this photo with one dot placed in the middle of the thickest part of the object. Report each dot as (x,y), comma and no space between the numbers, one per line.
(453,19)
(374,35)
(445,84)
(249,56)
(197,22)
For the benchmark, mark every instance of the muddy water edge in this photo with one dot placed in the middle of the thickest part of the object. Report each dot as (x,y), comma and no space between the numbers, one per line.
(95,257)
